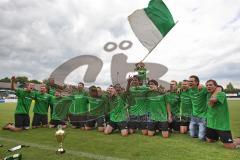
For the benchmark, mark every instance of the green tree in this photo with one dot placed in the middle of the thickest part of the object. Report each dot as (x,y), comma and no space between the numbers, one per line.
(35,81)
(22,79)
(45,81)
(6,79)
(230,86)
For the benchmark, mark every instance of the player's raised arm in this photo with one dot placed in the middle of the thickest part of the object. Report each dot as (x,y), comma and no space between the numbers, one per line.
(213,98)
(170,119)
(13,83)
(129,80)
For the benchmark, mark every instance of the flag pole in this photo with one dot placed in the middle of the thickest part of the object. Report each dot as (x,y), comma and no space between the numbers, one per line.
(117,77)
(156,45)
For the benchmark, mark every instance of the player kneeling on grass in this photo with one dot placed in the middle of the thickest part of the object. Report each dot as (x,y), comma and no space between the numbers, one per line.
(40,110)
(22,120)
(118,114)
(185,107)
(157,109)
(173,104)
(79,108)
(56,120)
(218,124)
(137,105)
(96,110)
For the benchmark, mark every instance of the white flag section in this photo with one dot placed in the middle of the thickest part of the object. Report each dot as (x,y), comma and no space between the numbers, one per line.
(144,29)
(151,24)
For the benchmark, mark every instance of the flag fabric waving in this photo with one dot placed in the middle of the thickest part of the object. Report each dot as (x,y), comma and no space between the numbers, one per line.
(151,24)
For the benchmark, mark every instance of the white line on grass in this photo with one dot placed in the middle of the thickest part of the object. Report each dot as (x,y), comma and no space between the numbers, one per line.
(75,153)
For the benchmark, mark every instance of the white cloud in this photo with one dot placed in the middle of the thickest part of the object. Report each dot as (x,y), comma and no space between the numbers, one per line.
(37,36)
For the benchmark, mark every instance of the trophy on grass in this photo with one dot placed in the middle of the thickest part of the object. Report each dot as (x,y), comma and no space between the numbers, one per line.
(60,135)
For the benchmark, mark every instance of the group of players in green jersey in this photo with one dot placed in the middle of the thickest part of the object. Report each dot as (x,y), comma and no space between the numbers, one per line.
(201,111)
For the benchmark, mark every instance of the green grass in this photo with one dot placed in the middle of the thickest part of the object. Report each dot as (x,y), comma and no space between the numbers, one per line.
(135,146)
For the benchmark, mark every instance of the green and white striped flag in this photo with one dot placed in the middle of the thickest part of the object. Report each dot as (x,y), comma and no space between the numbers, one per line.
(151,24)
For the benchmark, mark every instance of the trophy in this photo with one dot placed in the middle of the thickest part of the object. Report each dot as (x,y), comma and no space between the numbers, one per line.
(60,134)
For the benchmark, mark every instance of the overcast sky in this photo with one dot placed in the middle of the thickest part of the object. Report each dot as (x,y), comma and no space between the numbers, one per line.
(38,36)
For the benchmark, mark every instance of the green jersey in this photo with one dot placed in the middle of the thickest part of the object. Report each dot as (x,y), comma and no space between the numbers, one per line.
(54,101)
(105,98)
(24,101)
(157,108)
(80,104)
(199,99)
(173,100)
(42,102)
(218,114)
(137,100)
(97,106)
(118,111)
(185,104)
(142,73)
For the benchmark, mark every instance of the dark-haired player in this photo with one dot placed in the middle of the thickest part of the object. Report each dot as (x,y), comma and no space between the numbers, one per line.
(173,102)
(118,115)
(185,107)
(157,108)
(96,110)
(22,119)
(40,110)
(56,120)
(198,97)
(79,107)
(137,105)
(218,123)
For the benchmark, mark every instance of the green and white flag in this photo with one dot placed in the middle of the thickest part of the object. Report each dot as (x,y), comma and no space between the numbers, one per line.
(151,24)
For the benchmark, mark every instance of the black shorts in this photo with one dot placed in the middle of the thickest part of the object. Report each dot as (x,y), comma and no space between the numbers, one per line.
(156,125)
(133,122)
(78,120)
(118,125)
(39,119)
(107,118)
(138,122)
(185,121)
(100,121)
(225,136)
(22,121)
(91,121)
(175,124)
(57,122)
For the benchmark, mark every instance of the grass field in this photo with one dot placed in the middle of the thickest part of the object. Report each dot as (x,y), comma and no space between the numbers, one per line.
(94,145)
